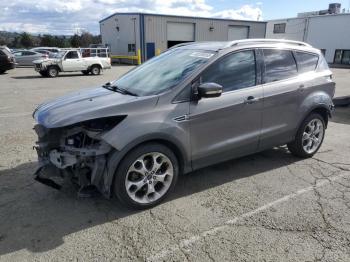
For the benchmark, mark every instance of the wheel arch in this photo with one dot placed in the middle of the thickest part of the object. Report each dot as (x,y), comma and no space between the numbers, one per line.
(116,157)
(95,64)
(322,109)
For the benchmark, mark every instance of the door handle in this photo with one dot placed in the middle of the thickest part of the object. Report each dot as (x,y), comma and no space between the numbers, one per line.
(302,88)
(251,100)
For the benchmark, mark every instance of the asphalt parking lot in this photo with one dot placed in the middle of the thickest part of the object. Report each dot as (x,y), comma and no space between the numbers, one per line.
(269,206)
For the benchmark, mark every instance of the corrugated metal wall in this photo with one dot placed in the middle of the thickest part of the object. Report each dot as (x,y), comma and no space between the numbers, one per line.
(119,40)
(329,32)
(156,29)
(295,29)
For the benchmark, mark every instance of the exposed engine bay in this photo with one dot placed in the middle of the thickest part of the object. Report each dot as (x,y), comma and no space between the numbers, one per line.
(77,152)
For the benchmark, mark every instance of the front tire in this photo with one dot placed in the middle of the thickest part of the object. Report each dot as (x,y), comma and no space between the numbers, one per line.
(146,176)
(52,71)
(309,137)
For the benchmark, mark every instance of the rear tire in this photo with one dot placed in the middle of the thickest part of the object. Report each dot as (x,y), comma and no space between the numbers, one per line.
(95,70)
(309,137)
(146,176)
(52,71)
(2,71)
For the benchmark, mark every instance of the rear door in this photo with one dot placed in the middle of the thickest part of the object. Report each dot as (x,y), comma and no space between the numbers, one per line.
(28,57)
(281,87)
(227,126)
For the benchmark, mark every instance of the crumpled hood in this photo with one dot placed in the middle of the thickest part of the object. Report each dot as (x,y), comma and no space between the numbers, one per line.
(89,104)
(47,60)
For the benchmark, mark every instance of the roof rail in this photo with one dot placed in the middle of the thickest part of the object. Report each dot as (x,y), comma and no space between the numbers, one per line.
(264,40)
(183,44)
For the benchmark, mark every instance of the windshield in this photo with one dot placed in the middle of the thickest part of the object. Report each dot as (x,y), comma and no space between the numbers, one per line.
(58,55)
(162,72)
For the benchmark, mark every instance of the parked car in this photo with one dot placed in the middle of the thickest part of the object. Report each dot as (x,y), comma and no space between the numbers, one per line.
(7,60)
(50,49)
(45,52)
(26,57)
(71,61)
(195,105)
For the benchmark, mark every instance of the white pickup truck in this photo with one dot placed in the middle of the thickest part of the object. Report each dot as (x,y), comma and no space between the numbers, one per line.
(88,60)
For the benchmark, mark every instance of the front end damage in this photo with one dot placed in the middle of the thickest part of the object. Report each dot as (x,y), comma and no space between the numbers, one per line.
(77,152)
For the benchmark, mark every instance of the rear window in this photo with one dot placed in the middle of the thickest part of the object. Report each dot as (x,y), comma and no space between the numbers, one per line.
(306,62)
(279,65)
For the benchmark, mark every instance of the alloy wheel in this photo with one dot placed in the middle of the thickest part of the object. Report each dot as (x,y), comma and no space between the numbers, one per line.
(312,136)
(149,177)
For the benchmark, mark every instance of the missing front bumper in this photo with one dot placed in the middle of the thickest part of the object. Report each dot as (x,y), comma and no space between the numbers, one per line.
(50,176)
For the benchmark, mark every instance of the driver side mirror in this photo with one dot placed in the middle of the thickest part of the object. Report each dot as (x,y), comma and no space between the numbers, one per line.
(208,90)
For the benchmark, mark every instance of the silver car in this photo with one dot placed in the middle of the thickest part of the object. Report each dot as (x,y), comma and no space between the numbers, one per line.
(195,105)
(26,57)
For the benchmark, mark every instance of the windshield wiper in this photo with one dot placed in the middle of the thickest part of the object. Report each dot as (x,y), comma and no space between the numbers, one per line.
(124,91)
(118,89)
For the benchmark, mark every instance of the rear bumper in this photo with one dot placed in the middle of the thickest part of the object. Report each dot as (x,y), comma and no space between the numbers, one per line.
(8,66)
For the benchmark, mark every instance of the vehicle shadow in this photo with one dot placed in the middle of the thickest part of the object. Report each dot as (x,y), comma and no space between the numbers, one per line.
(38,218)
(59,76)
(341,115)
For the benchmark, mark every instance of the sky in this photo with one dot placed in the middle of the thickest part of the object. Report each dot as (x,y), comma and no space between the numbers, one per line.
(74,16)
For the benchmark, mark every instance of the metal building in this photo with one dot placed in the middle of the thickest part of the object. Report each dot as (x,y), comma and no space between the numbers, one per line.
(327,30)
(125,33)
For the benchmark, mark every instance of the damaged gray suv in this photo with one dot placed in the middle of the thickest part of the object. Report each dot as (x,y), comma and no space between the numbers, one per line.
(195,105)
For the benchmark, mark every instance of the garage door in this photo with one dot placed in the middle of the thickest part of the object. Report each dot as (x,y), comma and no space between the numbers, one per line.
(237,32)
(180,31)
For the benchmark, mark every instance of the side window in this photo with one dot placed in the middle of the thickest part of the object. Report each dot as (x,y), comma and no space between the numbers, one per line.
(306,62)
(72,55)
(279,65)
(234,71)
(27,53)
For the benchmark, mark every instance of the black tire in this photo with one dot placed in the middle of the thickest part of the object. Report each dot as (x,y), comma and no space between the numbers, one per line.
(95,70)
(296,147)
(85,72)
(43,73)
(52,71)
(119,184)
(2,71)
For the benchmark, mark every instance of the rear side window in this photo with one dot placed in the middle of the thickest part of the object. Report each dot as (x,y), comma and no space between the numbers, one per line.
(306,62)
(322,65)
(234,71)
(279,65)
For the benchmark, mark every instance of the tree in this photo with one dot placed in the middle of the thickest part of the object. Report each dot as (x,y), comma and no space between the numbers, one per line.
(47,40)
(26,40)
(75,41)
(86,39)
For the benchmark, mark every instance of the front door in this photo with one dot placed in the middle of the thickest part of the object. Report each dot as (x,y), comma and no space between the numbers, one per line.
(227,126)
(72,62)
